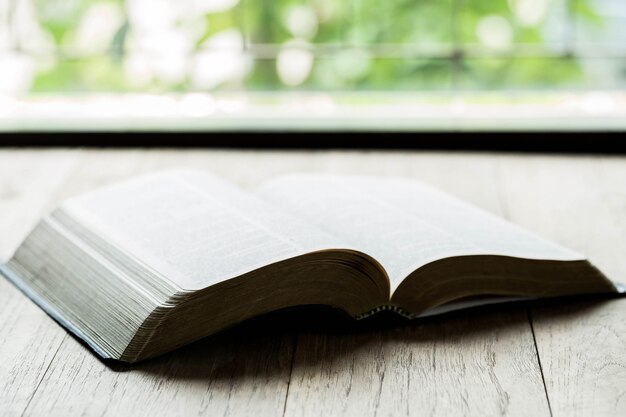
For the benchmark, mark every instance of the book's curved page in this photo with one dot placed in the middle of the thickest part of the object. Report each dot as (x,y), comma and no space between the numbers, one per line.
(194,228)
(404,224)
(346,280)
(111,265)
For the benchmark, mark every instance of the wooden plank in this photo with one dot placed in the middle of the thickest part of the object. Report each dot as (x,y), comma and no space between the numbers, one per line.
(28,182)
(28,338)
(237,373)
(470,364)
(581,346)
(477,363)
(580,202)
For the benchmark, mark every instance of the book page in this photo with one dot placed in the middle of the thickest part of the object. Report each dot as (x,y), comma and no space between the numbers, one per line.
(402,223)
(194,228)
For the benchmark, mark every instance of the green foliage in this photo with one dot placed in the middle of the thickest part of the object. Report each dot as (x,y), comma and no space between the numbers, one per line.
(358,45)
(96,74)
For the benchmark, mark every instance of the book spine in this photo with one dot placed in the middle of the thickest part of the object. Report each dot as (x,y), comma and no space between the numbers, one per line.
(386,307)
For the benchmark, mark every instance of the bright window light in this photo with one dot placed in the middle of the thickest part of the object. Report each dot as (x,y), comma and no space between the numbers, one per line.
(481,63)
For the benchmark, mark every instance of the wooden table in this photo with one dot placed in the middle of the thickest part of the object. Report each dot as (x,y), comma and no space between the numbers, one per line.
(565,359)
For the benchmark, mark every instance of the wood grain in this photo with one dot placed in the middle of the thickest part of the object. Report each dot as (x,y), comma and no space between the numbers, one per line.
(477,363)
(237,373)
(580,202)
(28,338)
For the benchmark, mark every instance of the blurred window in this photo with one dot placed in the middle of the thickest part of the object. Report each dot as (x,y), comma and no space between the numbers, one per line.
(330,45)
(79,47)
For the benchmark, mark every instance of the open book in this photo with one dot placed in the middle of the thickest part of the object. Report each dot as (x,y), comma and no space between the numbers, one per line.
(140,268)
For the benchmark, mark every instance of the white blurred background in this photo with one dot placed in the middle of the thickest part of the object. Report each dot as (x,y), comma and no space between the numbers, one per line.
(427,61)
